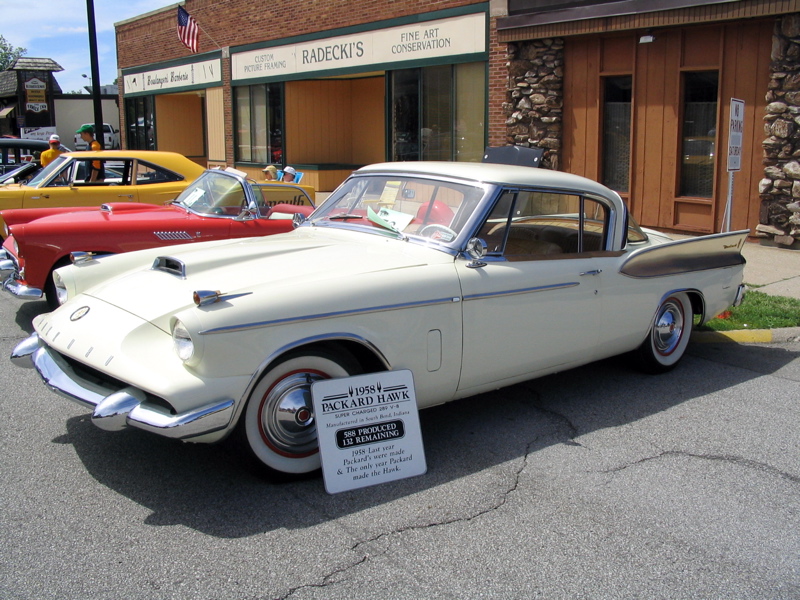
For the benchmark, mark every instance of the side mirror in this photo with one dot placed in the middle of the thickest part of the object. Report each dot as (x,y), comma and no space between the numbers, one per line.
(297,220)
(476,250)
(247,214)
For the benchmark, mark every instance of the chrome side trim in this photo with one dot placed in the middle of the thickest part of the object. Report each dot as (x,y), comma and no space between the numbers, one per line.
(531,290)
(330,315)
(172,235)
(19,289)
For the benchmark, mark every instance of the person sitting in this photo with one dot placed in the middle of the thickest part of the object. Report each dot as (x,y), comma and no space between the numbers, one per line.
(270,173)
(288,174)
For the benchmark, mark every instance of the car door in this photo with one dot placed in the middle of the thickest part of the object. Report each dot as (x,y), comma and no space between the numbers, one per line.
(74,185)
(534,303)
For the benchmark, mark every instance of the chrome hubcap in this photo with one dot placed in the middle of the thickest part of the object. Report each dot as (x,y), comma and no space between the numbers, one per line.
(668,328)
(287,415)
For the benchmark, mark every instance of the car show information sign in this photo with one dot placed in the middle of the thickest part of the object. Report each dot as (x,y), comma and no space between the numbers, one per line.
(368,429)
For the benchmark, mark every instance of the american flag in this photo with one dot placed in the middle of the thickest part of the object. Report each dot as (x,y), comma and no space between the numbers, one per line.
(187,29)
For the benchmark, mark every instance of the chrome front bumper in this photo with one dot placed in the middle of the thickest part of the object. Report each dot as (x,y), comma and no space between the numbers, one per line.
(127,407)
(9,271)
(19,289)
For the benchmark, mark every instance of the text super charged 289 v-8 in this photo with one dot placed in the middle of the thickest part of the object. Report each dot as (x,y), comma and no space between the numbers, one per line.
(471,276)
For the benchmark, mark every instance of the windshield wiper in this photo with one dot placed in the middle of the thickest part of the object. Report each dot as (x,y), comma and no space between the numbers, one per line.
(345,216)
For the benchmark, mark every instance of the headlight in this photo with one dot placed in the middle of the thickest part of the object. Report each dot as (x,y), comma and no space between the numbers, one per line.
(61,289)
(184,346)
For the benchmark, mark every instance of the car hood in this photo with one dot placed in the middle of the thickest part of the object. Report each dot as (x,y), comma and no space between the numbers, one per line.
(300,272)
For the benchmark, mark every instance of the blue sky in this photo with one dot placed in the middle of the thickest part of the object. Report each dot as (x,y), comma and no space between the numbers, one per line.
(58,29)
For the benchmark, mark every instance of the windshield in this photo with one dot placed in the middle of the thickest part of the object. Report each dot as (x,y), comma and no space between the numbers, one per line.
(214,193)
(45,173)
(403,205)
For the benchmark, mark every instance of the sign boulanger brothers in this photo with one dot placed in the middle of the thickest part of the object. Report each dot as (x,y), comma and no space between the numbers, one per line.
(440,38)
(368,429)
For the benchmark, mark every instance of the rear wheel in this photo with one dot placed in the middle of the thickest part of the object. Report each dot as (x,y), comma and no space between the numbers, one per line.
(668,337)
(277,430)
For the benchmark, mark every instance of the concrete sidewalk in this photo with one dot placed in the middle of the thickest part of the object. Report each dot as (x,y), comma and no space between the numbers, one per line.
(776,269)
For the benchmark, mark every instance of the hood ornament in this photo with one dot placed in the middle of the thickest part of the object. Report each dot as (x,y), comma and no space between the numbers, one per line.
(206,297)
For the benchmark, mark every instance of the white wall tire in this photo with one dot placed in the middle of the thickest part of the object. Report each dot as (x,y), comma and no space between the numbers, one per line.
(277,429)
(669,335)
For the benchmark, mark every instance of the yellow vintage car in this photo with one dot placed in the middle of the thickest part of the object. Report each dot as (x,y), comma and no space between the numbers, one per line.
(95,178)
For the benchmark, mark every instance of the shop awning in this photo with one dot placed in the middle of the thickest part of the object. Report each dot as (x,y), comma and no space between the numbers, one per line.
(4,112)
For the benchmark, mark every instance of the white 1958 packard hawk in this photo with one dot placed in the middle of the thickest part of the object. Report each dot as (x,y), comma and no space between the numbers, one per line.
(471,276)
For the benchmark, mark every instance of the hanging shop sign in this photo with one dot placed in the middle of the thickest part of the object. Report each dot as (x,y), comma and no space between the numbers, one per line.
(199,74)
(35,95)
(455,36)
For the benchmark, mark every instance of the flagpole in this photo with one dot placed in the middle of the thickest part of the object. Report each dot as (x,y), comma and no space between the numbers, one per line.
(209,37)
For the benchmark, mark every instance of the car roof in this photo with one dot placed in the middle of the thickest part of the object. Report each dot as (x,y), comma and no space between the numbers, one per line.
(170,160)
(496,174)
(24,144)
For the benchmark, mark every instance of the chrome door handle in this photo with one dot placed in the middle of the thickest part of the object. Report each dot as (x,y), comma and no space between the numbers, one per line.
(128,196)
(592,272)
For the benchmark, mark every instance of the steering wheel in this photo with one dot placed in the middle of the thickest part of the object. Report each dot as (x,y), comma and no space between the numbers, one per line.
(432,229)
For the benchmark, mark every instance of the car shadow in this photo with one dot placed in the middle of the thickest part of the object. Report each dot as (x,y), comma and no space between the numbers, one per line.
(203,487)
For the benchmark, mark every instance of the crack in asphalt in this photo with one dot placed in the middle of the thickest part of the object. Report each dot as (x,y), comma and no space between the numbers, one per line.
(326,579)
(729,458)
(560,422)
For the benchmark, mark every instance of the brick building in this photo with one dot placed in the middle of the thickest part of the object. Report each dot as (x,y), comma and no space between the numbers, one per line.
(634,93)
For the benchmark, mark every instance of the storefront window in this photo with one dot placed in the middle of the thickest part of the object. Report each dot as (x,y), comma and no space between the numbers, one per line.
(140,120)
(259,123)
(616,135)
(437,113)
(698,154)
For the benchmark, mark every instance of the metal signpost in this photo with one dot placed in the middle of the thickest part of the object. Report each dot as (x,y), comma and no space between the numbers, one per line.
(735,135)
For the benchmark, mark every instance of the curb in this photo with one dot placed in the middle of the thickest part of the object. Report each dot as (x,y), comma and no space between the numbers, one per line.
(747,336)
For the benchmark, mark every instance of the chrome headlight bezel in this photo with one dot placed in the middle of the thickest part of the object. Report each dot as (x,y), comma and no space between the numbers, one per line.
(182,341)
(62,294)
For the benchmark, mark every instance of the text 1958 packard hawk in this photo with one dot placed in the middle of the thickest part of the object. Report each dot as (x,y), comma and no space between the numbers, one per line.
(471,276)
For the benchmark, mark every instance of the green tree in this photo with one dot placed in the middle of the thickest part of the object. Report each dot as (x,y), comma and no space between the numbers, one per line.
(8,54)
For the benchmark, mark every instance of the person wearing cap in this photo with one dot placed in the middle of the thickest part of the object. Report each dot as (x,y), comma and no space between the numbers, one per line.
(87,135)
(288,174)
(270,173)
(53,152)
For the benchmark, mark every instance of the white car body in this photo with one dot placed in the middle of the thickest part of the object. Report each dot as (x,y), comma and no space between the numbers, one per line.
(343,294)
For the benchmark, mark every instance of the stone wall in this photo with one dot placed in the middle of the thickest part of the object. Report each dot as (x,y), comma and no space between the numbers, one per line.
(780,189)
(535,99)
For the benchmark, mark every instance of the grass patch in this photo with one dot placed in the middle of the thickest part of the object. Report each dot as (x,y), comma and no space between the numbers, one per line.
(758,311)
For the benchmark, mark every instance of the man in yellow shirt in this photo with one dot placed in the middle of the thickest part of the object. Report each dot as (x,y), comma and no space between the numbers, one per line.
(52,152)
(87,135)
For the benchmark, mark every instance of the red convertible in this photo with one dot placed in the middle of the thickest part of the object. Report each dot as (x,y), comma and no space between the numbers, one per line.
(218,205)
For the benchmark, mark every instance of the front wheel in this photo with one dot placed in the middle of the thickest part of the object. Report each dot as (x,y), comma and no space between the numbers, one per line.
(277,430)
(668,336)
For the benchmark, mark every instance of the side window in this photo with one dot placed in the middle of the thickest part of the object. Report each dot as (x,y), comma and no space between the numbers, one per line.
(101,172)
(147,173)
(527,225)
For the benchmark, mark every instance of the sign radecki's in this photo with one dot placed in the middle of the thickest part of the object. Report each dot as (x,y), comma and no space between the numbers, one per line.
(453,36)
